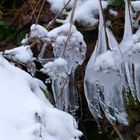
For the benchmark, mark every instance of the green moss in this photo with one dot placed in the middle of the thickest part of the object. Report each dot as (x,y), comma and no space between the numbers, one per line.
(45,92)
(115,3)
(6,32)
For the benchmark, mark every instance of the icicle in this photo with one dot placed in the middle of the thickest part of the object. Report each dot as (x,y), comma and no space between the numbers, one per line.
(104,79)
(74,54)
(89,85)
(126,45)
(57,70)
(133,65)
(73,94)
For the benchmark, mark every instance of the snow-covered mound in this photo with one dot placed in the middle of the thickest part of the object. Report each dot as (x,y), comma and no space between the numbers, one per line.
(88,16)
(25,112)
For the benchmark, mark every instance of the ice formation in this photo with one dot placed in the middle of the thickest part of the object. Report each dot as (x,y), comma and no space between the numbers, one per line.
(73,53)
(25,113)
(105,79)
(58,72)
(61,71)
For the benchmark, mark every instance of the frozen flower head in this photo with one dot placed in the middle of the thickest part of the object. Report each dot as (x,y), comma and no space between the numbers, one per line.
(56,69)
(74,50)
(38,31)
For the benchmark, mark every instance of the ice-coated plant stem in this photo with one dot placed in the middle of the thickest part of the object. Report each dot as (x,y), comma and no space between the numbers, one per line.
(73,94)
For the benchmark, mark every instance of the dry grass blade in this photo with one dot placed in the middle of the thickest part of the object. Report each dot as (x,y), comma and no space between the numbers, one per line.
(71,23)
(33,12)
(53,21)
(40,11)
(61,93)
(117,131)
(30,3)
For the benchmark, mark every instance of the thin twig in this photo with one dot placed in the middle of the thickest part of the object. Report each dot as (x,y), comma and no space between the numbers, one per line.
(33,12)
(101,7)
(129,7)
(58,97)
(117,131)
(53,21)
(40,10)
(71,23)
(32,9)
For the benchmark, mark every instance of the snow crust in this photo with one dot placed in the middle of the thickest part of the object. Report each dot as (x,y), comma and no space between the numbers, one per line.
(25,112)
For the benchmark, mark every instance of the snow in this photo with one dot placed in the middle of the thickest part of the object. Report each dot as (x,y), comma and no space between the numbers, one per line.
(88,16)
(25,112)
(56,68)
(38,31)
(67,58)
(113,12)
(22,53)
(136,5)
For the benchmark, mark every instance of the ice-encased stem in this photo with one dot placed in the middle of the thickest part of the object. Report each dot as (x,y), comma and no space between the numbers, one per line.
(128,23)
(60,92)
(73,94)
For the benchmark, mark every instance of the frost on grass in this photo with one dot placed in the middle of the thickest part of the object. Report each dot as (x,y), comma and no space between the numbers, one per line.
(25,112)
(86,17)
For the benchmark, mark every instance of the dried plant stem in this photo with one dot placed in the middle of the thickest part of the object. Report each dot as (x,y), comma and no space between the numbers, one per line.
(58,97)
(71,23)
(129,6)
(100,4)
(33,12)
(40,11)
(53,21)
(117,131)
(32,9)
